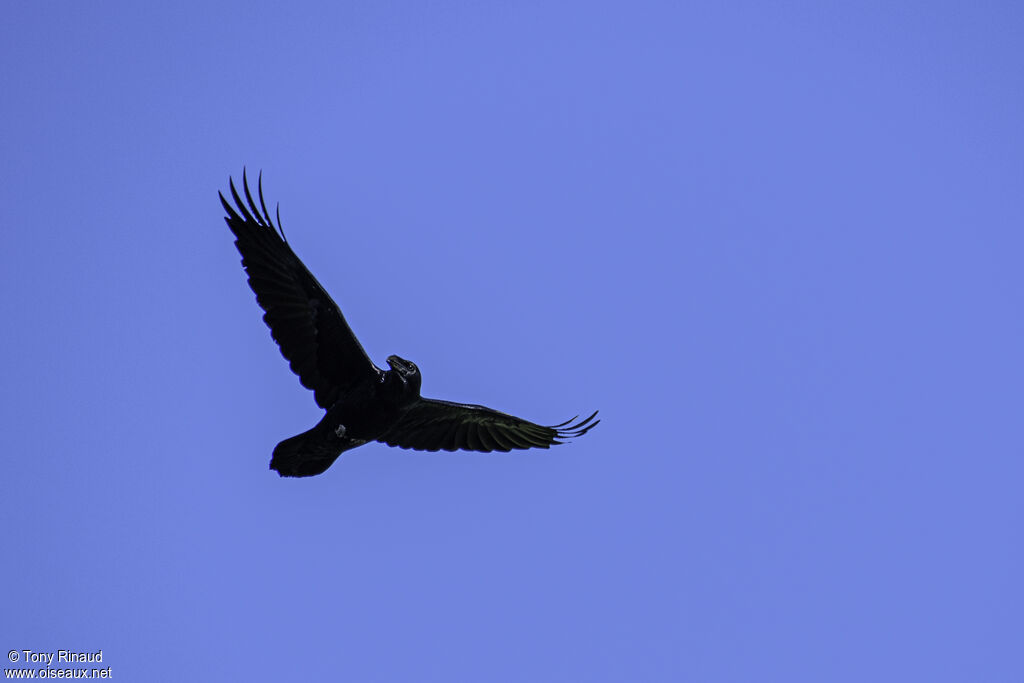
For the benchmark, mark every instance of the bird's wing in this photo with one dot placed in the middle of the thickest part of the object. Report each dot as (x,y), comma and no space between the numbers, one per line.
(303,320)
(432,425)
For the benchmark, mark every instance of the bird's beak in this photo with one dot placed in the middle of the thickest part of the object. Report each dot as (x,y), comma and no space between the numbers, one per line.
(391,362)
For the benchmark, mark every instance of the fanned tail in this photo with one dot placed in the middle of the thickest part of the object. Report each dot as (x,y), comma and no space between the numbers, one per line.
(310,453)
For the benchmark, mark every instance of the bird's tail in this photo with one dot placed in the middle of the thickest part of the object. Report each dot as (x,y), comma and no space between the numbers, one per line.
(310,453)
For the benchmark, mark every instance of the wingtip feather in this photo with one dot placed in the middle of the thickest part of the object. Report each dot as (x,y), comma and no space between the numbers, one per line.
(238,199)
(248,198)
(572,429)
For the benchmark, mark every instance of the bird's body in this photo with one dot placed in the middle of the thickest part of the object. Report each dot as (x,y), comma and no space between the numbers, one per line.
(363,402)
(360,415)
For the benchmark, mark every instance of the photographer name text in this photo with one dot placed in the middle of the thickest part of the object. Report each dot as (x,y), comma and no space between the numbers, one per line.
(61,656)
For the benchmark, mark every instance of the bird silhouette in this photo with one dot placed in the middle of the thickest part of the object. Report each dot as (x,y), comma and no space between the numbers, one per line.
(363,402)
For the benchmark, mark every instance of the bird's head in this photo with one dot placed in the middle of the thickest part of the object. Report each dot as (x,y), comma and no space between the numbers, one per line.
(406,371)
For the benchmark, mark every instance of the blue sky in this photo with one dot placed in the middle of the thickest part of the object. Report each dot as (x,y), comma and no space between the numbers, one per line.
(778,245)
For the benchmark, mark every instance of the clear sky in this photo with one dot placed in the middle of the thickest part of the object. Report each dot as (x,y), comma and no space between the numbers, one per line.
(777,244)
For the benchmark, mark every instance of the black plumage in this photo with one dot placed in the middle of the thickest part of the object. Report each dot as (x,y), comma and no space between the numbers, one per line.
(363,402)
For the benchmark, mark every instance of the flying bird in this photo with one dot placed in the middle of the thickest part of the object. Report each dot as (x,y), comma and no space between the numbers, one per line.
(363,402)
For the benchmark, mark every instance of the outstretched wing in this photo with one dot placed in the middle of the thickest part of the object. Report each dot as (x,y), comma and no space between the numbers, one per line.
(303,320)
(432,425)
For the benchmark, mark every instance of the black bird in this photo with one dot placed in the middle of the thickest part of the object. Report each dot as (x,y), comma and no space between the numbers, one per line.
(363,402)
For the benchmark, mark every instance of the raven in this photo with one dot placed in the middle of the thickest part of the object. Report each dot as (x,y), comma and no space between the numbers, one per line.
(363,402)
